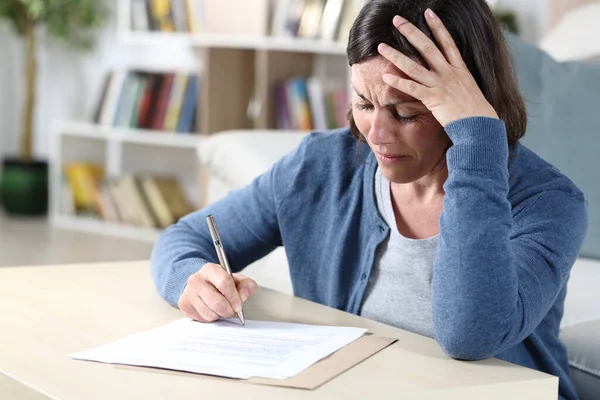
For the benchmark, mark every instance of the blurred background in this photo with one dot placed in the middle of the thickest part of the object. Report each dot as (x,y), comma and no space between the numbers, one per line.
(119,117)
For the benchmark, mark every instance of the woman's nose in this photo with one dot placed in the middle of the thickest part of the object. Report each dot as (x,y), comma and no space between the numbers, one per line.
(382,129)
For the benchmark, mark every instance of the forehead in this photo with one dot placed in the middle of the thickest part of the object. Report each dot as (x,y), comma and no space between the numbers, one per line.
(367,78)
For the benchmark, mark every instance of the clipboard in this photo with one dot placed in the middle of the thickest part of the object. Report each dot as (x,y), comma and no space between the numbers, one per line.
(314,376)
(337,363)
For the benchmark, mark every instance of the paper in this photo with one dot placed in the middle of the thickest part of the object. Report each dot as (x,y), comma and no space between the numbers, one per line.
(260,349)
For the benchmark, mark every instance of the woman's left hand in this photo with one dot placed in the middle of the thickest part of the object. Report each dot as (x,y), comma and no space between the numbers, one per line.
(448,88)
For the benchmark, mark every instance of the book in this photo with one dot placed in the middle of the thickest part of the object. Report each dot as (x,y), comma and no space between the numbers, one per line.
(123,206)
(195,15)
(294,15)
(111,102)
(348,16)
(103,97)
(175,102)
(186,116)
(126,100)
(82,178)
(280,17)
(140,20)
(174,197)
(140,91)
(310,21)
(128,188)
(180,20)
(282,107)
(157,202)
(162,102)
(146,100)
(330,20)
(161,14)
(300,104)
(316,98)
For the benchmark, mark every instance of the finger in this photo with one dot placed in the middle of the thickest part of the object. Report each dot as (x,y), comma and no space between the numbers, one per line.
(215,300)
(189,311)
(444,39)
(206,314)
(224,283)
(407,86)
(410,67)
(432,55)
(246,286)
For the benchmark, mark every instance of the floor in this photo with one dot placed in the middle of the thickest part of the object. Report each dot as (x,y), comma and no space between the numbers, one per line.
(32,241)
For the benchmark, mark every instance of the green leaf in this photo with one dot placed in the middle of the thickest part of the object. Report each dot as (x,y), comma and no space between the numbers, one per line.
(71,22)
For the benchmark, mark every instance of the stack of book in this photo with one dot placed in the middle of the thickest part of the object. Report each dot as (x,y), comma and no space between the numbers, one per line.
(305,104)
(147,100)
(166,15)
(145,201)
(329,20)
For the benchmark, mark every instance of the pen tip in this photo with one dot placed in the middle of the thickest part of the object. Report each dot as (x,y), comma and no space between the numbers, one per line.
(242,319)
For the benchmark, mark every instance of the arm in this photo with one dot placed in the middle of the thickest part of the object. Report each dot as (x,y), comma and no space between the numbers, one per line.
(496,278)
(248,224)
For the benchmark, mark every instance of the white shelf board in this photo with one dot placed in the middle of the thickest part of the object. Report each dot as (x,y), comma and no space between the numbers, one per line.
(90,225)
(290,44)
(126,135)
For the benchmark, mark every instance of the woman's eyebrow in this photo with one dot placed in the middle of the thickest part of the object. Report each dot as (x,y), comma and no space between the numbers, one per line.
(409,99)
(359,94)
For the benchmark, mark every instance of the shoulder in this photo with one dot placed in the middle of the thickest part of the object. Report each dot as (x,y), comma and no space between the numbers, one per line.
(531,175)
(324,165)
(335,152)
(540,192)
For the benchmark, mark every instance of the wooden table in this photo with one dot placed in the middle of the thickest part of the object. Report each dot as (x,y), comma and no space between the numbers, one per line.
(47,313)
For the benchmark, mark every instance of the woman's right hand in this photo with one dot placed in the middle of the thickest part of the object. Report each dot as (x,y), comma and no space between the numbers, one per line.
(211,293)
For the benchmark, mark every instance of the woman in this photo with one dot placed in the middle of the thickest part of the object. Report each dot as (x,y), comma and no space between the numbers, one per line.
(447,226)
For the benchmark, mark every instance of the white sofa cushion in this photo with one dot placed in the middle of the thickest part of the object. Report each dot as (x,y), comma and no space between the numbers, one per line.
(573,38)
(582,303)
(237,157)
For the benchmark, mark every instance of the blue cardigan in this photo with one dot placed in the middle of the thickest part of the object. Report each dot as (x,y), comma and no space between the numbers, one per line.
(510,231)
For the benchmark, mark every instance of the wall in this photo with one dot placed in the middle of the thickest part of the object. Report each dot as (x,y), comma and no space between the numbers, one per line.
(69,83)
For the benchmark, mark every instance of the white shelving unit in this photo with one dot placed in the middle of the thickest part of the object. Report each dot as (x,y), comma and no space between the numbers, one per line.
(120,151)
(268,43)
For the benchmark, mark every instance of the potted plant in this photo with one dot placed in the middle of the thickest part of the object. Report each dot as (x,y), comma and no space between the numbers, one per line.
(24,181)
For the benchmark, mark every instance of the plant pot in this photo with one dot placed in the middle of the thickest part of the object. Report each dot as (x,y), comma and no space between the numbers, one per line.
(24,187)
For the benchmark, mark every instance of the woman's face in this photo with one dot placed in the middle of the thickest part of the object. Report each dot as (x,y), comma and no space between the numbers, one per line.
(405,137)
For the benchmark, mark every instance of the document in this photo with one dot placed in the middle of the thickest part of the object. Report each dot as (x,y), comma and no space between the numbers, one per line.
(273,350)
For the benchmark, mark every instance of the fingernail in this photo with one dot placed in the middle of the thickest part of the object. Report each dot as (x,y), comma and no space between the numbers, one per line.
(387,78)
(244,295)
(237,307)
(430,14)
(398,20)
(384,48)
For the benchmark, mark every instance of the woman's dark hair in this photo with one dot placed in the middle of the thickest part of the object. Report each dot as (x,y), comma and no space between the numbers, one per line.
(477,34)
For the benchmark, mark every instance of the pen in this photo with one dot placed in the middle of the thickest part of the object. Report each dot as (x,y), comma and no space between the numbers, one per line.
(216,238)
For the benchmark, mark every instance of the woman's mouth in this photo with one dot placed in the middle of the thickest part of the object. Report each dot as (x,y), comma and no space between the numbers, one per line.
(390,158)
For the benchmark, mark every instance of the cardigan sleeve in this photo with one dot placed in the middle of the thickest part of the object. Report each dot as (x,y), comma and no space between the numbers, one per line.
(496,276)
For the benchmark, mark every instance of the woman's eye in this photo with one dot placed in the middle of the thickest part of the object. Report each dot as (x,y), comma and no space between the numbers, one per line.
(402,118)
(363,106)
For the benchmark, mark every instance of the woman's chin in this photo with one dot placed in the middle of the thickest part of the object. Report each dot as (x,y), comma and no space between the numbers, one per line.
(398,174)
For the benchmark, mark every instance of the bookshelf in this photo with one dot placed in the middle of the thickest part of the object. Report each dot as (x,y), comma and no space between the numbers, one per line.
(121,152)
(249,61)
(238,72)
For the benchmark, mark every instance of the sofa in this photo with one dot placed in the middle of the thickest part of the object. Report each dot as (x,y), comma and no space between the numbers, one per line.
(563,100)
